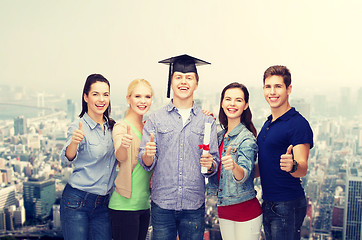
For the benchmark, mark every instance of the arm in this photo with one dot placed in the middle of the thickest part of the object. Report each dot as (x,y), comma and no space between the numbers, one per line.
(122,140)
(229,164)
(147,160)
(257,173)
(300,155)
(244,159)
(211,160)
(150,151)
(77,137)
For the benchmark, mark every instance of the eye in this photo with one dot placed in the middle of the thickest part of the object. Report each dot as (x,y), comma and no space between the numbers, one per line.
(148,96)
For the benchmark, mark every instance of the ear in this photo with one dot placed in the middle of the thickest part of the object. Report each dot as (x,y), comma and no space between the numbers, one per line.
(246,106)
(127,98)
(85,97)
(289,89)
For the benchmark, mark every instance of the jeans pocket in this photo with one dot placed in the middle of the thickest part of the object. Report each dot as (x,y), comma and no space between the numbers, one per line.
(73,202)
(282,209)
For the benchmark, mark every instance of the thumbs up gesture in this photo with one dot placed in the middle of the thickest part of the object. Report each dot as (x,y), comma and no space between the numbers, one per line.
(286,160)
(127,138)
(150,148)
(78,134)
(227,160)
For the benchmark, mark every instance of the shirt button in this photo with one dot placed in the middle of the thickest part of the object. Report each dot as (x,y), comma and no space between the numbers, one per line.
(180,173)
(228,139)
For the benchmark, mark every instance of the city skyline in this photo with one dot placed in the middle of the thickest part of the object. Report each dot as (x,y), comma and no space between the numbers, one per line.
(53,46)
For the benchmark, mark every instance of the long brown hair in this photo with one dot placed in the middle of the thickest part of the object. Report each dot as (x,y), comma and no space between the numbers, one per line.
(246,116)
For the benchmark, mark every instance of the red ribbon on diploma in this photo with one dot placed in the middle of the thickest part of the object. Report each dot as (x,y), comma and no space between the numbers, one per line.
(204,147)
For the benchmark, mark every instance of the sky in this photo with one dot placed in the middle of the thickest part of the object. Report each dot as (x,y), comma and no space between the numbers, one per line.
(52,46)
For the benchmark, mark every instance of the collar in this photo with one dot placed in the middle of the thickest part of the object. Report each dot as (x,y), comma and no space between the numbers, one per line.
(286,116)
(240,127)
(91,123)
(170,107)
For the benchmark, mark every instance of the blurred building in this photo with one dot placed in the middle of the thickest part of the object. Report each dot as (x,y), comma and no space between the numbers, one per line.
(7,197)
(39,197)
(20,125)
(353,209)
(56,217)
(70,110)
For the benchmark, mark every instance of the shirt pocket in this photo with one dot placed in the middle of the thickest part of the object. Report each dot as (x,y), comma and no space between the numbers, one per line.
(197,135)
(165,133)
(97,148)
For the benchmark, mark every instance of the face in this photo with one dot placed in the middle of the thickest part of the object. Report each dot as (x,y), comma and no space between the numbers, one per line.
(183,85)
(140,100)
(234,103)
(275,91)
(98,99)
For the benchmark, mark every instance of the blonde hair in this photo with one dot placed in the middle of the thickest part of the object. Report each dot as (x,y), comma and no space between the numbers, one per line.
(135,83)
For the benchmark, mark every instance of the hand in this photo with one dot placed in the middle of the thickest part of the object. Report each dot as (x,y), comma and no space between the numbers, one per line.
(208,113)
(206,160)
(127,138)
(227,160)
(286,160)
(151,147)
(78,134)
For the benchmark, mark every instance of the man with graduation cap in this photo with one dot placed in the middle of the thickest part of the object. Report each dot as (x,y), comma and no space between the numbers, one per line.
(170,147)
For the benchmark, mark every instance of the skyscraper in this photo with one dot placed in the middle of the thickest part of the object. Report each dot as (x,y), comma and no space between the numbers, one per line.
(352,229)
(70,110)
(20,125)
(39,197)
(7,197)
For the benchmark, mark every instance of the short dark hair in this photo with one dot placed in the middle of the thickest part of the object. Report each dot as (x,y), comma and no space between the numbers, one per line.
(278,70)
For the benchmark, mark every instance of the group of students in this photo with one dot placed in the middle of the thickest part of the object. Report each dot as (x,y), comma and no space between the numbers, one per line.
(163,157)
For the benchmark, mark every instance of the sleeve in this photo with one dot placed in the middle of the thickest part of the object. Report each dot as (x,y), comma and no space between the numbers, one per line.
(119,130)
(246,157)
(147,130)
(214,151)
(70,131)
(302,133)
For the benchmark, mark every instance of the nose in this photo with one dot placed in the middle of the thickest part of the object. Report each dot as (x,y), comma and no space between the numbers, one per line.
(272,90)
(101,97)
(183,80)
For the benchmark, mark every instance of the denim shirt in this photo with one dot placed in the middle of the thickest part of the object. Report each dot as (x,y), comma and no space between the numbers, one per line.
(95,163)
(243,151)
(177,182)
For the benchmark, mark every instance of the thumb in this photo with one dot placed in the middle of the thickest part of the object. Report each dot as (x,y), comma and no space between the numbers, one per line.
(80,126)
(228,151)
(152,138)
(128,129)
(289,150)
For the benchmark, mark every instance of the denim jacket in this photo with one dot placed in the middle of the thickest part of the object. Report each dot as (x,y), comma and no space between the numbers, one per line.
(243,151)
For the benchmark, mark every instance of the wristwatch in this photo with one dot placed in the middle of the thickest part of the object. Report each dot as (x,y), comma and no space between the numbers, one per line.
(212,168)
(295,166)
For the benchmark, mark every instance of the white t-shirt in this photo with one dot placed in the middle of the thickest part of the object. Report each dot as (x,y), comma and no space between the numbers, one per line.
(185,114)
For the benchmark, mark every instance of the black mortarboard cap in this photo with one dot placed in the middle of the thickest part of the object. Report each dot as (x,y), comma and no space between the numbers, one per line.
(183,63)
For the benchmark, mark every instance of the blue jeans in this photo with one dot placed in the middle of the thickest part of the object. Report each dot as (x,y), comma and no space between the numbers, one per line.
(189,224)
(84,215)
(283,220)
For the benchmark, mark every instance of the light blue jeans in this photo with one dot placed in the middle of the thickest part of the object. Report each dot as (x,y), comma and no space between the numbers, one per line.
(84,215)
(283,220)
(189,224)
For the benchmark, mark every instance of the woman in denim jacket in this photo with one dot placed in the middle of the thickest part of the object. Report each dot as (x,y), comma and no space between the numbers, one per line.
(239,211)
